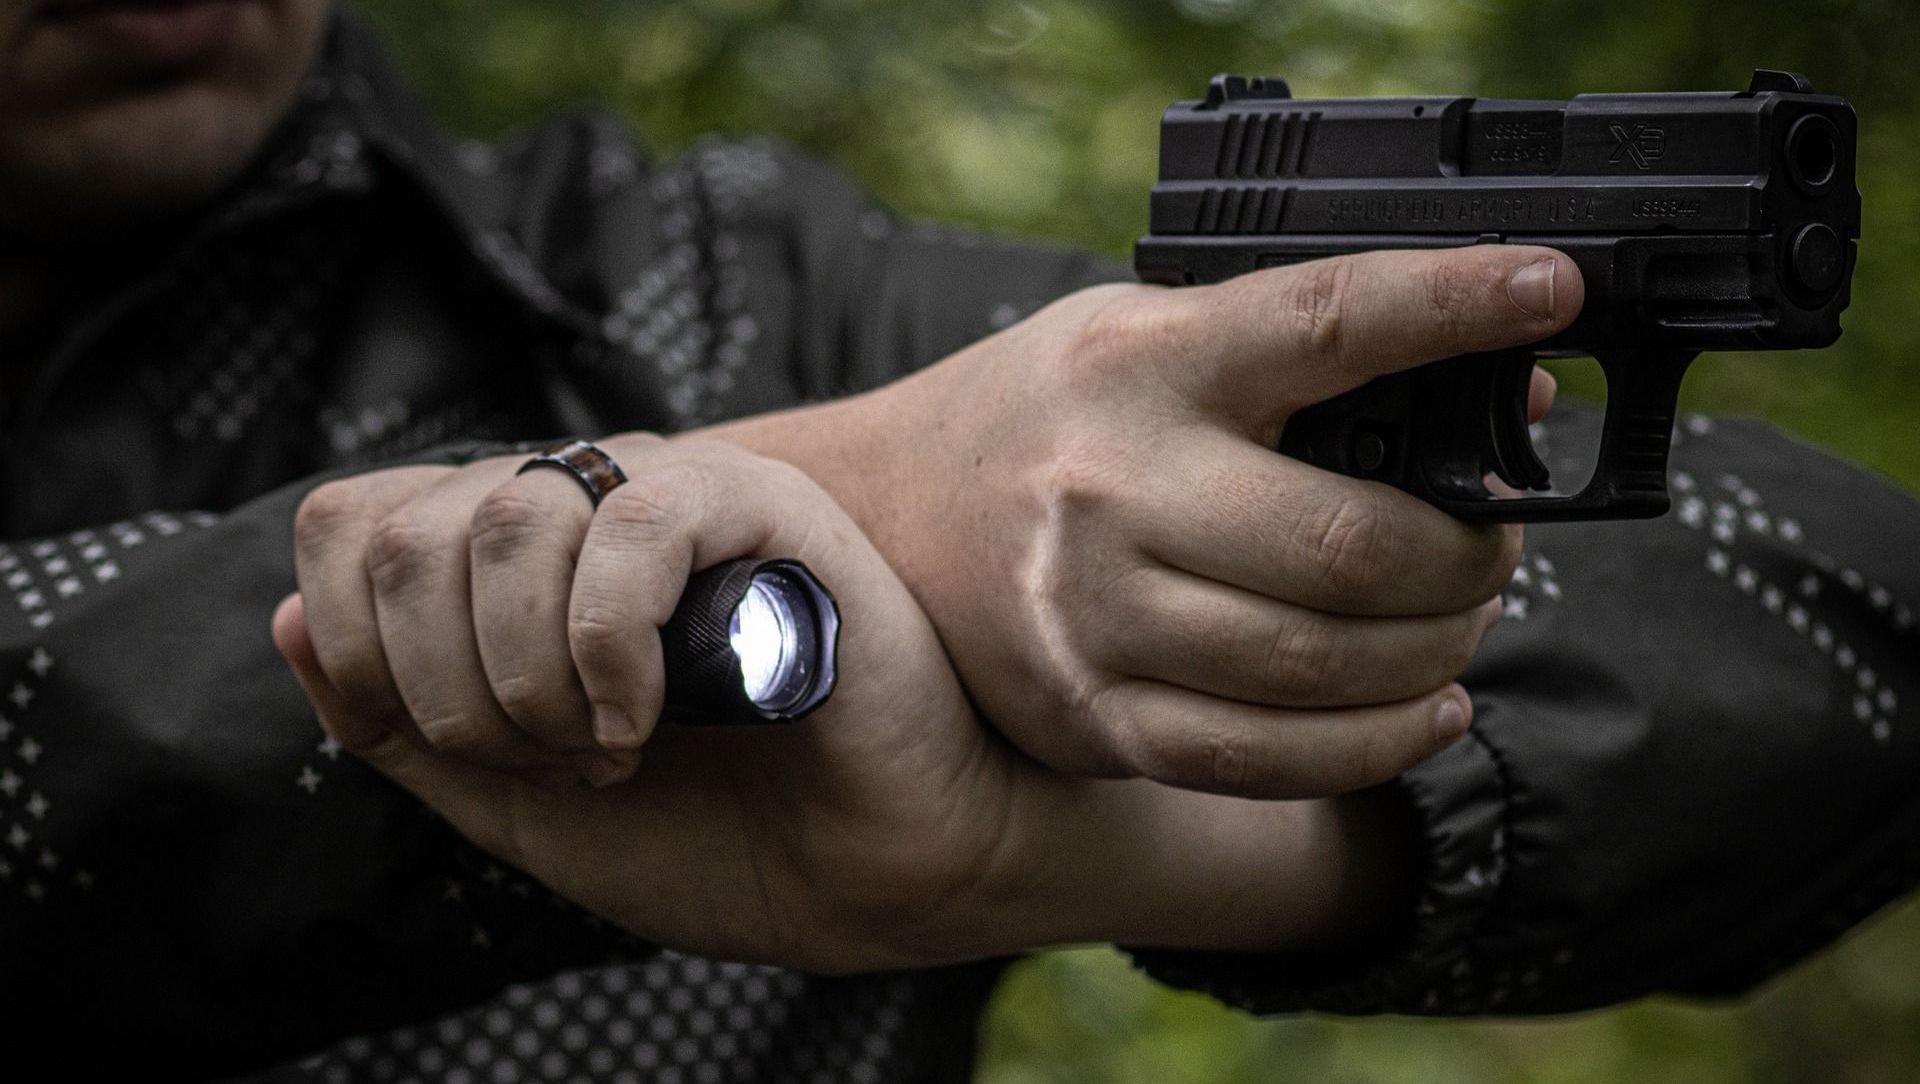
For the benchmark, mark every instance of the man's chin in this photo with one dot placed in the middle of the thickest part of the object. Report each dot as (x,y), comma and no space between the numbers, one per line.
(131,165)
(123,115)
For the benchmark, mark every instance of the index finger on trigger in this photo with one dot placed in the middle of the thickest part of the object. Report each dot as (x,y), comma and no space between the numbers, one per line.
(1541,391)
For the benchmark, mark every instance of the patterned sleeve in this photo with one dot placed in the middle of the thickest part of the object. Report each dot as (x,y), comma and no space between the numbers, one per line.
(183,853)
(1692,762)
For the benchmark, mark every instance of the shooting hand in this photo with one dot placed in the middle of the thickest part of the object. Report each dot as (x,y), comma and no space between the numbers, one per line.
(1130,581)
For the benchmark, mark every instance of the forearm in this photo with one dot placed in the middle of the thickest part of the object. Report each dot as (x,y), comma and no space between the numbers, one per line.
(1139,863)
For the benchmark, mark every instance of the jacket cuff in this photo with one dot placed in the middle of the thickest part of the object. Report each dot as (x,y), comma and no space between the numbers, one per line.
(1462,801)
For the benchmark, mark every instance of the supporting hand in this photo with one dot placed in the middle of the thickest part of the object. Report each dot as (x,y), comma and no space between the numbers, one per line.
(454,626)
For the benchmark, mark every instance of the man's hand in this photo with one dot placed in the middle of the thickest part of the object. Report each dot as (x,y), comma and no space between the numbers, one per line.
(1130,581)
(464,630)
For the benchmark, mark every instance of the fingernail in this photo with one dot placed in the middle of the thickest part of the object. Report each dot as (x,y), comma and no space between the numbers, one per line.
(613,729)
(1450,719)
(1531,288)
(599,771)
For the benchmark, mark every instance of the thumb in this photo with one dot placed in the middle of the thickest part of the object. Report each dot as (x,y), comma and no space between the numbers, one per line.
(1286,337)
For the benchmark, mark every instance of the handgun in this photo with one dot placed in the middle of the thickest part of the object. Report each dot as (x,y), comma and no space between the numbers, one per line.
(1699,221)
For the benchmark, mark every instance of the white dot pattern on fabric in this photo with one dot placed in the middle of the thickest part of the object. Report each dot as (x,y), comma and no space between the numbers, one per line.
(1534,582)
(51,572)
(686,312)
(27,864)
(395,429)
(1745,538)
(240,335)
(670,1018)
(43,577)
(1730,511)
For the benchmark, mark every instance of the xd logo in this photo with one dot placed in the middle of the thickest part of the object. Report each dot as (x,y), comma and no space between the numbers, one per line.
(1642,143)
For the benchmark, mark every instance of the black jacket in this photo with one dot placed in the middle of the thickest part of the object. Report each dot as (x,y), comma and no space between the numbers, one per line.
(1693,759)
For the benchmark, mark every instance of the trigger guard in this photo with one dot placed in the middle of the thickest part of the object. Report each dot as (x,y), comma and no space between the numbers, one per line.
(1510,443)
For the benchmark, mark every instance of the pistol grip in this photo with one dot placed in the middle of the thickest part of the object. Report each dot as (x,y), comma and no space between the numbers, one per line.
(1442,430)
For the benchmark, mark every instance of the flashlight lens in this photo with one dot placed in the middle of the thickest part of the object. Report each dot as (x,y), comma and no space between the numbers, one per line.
(766,636)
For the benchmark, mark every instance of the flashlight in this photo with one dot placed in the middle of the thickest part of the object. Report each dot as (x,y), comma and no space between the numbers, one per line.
(751,641)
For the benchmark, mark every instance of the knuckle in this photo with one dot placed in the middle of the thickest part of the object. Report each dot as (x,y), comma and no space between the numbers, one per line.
(1084,475)
(597,635)
(503,525)
(325,512)
(707,454)
(721,465)
(1113,333)
(636,446)
(1136,748)
(1451,296)
(789,478)
(1106,731)
(1318,306)
(361,675)
(1352,544)
(1225,761)
(451,733)
(400,549)
(1303,661)
(526,696)
(1103,295)
(1219,760)
(644,506)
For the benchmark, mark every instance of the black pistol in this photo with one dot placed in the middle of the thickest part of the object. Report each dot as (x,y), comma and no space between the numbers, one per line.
(1699,221)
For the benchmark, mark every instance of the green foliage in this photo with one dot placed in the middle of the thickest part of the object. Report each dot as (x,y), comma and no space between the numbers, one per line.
(1040,117)
(1852,1014)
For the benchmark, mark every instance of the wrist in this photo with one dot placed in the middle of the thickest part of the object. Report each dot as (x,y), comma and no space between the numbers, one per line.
(848,446)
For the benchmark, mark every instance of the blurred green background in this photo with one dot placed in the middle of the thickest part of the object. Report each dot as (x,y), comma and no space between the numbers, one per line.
(1039,117)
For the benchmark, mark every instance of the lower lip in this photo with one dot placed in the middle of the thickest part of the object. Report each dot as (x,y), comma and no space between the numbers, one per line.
(156,36)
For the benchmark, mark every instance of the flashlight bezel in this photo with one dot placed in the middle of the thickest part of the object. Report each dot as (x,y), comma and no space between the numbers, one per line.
(704,679)
(816,618)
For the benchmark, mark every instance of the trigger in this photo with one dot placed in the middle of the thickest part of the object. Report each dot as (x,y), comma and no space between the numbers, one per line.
(1514,459)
